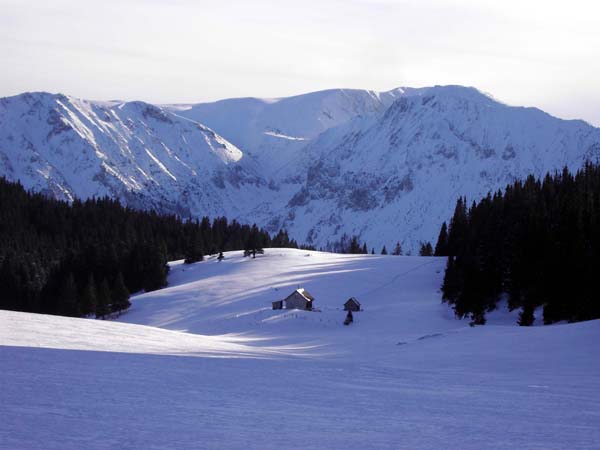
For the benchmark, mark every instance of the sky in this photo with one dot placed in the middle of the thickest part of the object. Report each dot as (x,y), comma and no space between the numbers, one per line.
(523,52)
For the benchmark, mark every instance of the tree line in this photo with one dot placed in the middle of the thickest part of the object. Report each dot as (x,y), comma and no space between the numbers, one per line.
(537,244)
(352,245)
(86,257)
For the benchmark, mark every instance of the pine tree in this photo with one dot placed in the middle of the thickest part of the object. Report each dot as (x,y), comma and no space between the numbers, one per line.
(9,283)
(441,248)
(459,225)
(526,317)
(384,251)
(120,294)
(89,297)
(426,249)
(156,269)
(194,251)
(477,318)
(254,242)
(451,286)
(103,300)
(68,297)
(354,246)
(397,249)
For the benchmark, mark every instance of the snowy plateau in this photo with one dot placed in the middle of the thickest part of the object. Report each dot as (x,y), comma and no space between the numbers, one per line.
(207,364)
(386,166)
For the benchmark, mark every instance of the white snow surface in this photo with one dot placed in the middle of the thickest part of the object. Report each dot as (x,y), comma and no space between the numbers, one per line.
(205,363)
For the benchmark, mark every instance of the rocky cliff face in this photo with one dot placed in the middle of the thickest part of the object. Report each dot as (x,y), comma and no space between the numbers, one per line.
(386,166)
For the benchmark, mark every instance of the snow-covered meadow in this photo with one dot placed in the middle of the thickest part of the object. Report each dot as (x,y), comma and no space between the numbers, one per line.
(207,364)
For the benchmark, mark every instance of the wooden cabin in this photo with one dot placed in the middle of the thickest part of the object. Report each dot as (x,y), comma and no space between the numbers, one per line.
(299,299)
(278,304)
(352,305)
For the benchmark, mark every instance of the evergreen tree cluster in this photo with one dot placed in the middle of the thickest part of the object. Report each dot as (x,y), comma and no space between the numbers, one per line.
(538,244)
(425,249)
(85,258)
(256,240)
(347,244)
(352,245)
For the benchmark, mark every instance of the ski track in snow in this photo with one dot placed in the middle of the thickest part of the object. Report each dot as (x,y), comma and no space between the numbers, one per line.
(206,364)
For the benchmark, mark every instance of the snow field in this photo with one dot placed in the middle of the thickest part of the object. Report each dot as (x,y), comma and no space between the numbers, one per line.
(205,363)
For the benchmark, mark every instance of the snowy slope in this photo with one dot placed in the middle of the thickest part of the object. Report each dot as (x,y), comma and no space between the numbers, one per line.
(235,296)
(56,332)
(404,375)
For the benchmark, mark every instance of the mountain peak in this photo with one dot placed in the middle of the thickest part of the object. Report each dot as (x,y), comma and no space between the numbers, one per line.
(386,166)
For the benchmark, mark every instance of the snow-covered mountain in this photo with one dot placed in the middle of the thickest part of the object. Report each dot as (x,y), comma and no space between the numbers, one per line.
(386,166)
(273,130)
(140,153)
(397,175)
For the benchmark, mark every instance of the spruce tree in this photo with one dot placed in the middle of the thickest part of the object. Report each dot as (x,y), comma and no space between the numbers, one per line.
(156,269)
(120,294)
(354,246)
(89,297)
(459,225)
(425,249)
(452,283)
(68,304)
(9,283)
(194,251)
(441,248)
(103,300)
(254,242)
(526,317)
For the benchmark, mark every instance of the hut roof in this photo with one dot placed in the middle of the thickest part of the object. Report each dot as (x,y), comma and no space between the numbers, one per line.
(352,300)
(304,293)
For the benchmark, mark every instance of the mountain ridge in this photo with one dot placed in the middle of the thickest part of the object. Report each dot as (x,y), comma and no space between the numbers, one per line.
(385,166)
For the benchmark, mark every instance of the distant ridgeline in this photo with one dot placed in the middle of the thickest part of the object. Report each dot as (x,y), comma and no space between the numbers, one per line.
(537,244)
(87,257)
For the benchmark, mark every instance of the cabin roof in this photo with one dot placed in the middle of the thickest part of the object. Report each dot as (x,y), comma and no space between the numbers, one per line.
(304,293)
(352,300)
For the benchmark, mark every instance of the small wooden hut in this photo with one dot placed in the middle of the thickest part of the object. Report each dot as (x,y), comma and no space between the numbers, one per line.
(299,299)
(278,304)
(352,305)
